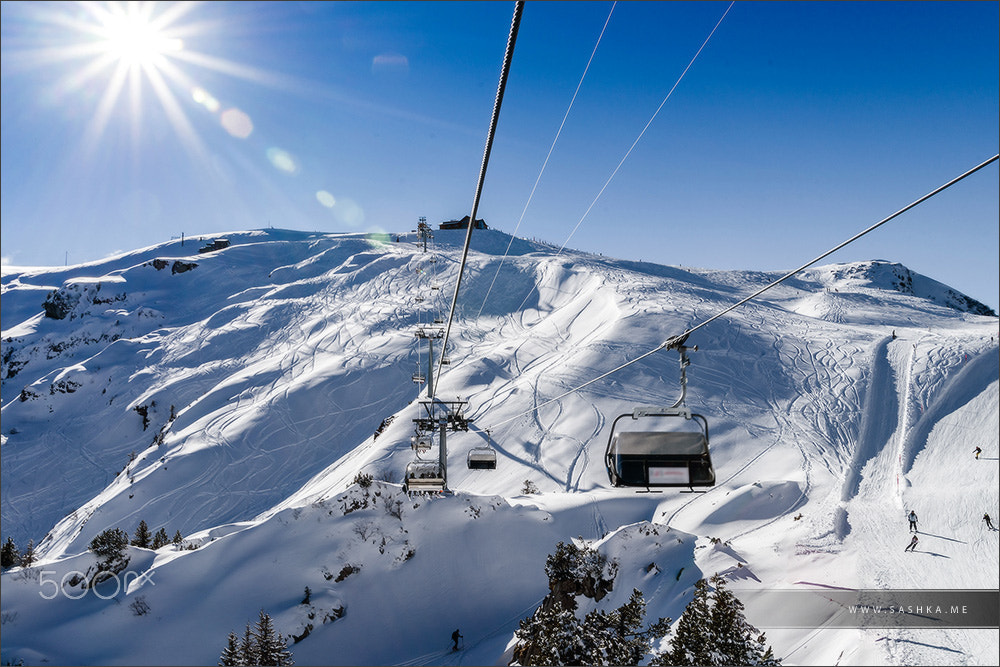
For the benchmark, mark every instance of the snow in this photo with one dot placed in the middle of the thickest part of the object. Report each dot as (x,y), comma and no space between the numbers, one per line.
(836,402)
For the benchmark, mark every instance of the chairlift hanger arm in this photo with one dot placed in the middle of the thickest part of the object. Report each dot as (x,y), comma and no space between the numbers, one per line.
(676,342)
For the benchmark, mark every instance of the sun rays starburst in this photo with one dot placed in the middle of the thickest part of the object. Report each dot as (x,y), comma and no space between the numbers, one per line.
(113,58)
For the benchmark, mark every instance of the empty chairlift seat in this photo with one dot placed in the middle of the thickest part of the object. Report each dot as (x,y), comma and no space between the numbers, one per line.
(673,456)
(482,458)
(662,458)
(655,458)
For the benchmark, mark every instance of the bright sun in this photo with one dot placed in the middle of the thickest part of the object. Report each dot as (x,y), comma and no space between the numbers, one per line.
(134,38)
(132,48)
(126,63)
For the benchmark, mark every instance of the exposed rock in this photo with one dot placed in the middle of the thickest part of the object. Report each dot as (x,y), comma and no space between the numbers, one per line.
(60,303)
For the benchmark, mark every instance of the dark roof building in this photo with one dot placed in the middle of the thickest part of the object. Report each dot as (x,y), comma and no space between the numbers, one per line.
(463,224)
(215,244)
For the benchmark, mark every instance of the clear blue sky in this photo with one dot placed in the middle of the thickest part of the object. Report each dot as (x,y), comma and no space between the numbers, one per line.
(798,125)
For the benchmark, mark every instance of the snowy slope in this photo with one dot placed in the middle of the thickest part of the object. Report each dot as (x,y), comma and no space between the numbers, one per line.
(837,402)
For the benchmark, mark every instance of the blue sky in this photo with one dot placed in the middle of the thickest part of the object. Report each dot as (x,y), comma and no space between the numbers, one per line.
(798,125)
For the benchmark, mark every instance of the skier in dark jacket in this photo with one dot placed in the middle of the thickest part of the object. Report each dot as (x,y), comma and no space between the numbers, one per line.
(977,451)
(989,524)
(913,544)
(455,637)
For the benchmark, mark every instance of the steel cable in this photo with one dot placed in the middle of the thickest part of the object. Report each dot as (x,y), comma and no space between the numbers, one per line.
(508,55)
(679,339)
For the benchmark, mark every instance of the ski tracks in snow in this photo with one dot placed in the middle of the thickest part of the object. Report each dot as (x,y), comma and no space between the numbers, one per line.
(940,375)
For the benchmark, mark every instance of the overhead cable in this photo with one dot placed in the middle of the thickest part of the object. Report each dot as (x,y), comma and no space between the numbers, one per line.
(634,143)
(505,70)
(651,119)
(674,341)
(546,161)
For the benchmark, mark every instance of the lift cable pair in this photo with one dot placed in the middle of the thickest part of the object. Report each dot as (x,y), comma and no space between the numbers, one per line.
(545,163)
(634,144)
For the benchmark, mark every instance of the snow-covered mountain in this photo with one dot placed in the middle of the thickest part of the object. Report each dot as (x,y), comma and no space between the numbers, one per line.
(235,395)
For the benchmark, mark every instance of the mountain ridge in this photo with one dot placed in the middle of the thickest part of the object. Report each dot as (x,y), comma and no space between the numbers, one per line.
(218,399)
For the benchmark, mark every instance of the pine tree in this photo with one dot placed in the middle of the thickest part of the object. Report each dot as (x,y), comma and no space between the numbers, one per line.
(248,648)
(551,636)
(110,544)
(628,642)
(271,646)
(728,625)
(178,538)
(141,537)
(714,631)
(231,655)
(554,635)
(160,539)
(28,557)
(9,555)
(692,643)
(737,642)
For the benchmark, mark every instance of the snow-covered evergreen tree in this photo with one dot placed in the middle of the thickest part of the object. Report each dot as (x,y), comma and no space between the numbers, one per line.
(111,548)
(714,631)
(248,648)
(692,642)
(9,555)
(28,556)
(549,637)
(271,646)
(554,635)
(110,544)
(576,571)
(141,537)
(737,642)
(231,655)
(627,642)
(160,539)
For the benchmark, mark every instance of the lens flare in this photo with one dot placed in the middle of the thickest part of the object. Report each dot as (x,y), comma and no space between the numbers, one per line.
(349,212)
(326,199)
(282,160)
(377,237)
(205,99)
(236,123)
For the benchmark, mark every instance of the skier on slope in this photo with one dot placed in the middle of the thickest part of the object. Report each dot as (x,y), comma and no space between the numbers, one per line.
(989,524)
(913,544)
(455,637)
(912,516)
(977,451)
